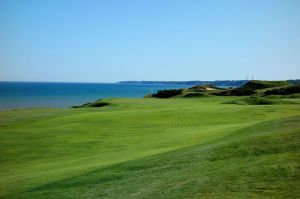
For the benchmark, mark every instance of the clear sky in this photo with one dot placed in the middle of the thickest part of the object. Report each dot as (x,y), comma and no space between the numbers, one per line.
(114,40)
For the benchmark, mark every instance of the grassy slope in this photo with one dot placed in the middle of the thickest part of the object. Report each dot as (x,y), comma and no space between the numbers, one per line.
(101,152)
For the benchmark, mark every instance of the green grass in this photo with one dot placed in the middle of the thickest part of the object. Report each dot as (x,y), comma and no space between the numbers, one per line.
(151,148)
(260,101)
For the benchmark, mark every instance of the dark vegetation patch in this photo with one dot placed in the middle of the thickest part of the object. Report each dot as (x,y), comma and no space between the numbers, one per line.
(255,85)
(168,93)
(242,91)
(284,91)
(98,103)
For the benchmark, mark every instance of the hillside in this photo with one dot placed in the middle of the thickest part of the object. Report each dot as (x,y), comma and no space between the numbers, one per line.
(151,148)
(251,88)
(258,84)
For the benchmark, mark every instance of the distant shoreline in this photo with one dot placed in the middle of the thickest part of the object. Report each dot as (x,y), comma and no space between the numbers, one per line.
(226,83)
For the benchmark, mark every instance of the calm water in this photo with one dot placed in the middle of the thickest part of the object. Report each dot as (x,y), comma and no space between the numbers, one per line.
(60,95)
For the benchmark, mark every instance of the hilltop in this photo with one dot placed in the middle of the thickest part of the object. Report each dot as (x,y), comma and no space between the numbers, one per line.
(255,92)
(254,87)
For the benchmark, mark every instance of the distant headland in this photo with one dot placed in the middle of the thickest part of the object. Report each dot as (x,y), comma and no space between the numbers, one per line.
(220,83)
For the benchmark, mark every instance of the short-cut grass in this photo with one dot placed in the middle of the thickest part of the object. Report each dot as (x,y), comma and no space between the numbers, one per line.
(152,148)
(253,100)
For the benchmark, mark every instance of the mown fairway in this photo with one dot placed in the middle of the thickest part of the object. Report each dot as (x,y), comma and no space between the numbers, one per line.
(152,148)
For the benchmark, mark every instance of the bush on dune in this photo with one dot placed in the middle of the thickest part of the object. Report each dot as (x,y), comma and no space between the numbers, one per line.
(256,84)
(168,93)
(98,103)
(284,91)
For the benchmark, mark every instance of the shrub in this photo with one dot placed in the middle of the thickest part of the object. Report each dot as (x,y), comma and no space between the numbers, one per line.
(92,104)
(284,91)
(167,93)
(254,85)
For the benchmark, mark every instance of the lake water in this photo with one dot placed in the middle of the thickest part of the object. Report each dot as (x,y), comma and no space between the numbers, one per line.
(61,95)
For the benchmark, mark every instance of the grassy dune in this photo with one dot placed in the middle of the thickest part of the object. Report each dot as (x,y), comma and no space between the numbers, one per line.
(151,148)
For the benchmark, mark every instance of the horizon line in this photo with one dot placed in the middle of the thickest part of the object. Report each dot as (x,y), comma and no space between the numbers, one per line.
(93,82)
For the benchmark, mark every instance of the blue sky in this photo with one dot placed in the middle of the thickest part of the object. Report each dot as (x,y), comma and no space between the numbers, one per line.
(110,40)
